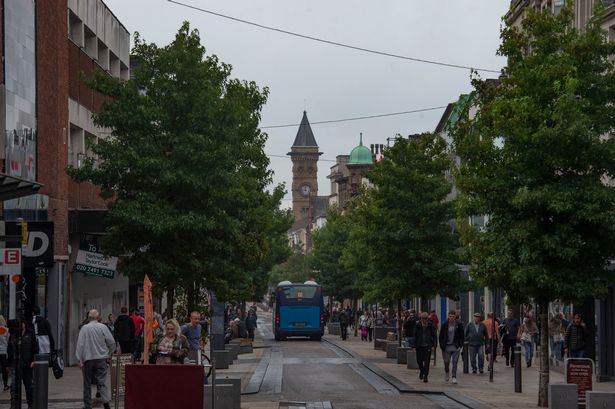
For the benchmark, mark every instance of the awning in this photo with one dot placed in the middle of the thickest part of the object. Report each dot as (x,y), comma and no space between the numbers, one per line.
(12,187)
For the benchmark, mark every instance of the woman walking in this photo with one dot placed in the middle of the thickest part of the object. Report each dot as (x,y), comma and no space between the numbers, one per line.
(170,347)
(527,330)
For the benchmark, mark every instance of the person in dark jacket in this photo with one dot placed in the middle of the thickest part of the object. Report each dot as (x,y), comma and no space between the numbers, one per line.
(42,332)
(451,341)
(27,351)
(344,320)
(409,325)
(251,324)
(424,342)
(242,331)
(576,337)
(476,335)
(124,331)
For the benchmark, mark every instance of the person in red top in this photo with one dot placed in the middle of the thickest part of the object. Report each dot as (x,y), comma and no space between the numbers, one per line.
(139,322)
(433,317)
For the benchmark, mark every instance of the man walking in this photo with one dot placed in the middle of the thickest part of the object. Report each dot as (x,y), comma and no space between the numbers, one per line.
(192,331)
(409,325)
(42,332)
(424,341)
(137,343)
(95,345)
(510,328)
(576,336)
(124,331)
(344,319)
(451,341)
(476,335)
(494,339)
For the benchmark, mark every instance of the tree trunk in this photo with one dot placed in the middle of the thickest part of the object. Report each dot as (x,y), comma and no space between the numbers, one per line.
(170,302)
(399,323)
(543,381)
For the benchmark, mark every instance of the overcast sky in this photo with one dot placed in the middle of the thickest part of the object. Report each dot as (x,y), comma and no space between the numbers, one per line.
(332,82)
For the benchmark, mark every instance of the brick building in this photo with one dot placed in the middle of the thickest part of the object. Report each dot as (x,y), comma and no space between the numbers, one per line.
(48,126)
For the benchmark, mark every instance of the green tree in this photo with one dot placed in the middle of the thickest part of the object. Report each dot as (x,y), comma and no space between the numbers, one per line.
(403,223)
(184,170)
(297,269)
(330,243)
(535,159)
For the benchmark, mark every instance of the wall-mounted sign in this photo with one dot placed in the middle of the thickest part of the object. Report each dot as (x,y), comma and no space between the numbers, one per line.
(90,261)
(38,252)
(10,263)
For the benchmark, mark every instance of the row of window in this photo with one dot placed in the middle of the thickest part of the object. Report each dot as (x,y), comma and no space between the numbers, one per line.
(84,37)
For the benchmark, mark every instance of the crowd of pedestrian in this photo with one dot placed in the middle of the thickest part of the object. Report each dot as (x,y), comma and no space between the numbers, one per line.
(484,336)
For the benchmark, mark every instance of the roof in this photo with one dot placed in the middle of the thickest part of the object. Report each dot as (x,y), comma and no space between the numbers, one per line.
(12,187)
(305,136)
(360,155)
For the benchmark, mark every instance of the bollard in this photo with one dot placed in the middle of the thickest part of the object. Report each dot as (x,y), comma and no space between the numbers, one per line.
(41,381)
(517,358)
(466,358)
(117,382)
(213,381)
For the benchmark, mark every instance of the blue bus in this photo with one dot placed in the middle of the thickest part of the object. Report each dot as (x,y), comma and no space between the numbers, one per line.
(298,310)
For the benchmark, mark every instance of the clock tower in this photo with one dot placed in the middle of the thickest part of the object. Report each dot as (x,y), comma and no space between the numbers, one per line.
(304,155)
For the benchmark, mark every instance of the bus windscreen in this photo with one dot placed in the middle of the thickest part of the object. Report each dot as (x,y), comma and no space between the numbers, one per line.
(298,293)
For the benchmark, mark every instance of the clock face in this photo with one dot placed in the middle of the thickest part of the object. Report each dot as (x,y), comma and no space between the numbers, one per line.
(305,189)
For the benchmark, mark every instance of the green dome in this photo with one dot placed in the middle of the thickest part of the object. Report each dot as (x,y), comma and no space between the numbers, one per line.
(361,155)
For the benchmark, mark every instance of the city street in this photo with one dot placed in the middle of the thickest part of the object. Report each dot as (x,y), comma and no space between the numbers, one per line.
(308,371)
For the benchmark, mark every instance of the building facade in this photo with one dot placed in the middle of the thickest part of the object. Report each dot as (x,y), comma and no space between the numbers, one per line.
(48,125)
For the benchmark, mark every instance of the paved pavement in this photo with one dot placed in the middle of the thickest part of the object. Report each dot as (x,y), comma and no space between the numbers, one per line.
(476,388)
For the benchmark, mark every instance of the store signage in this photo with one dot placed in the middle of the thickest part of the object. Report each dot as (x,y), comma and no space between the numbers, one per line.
(10,264)
(90,261)
(38,250)
(580,371)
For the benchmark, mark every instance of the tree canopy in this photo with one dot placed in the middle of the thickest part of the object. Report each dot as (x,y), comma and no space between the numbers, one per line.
(331,256)
(403,224)
(539,159)
(184,170)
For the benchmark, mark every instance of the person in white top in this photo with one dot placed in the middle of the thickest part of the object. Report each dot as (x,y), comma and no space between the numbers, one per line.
(94,346)
(4,361)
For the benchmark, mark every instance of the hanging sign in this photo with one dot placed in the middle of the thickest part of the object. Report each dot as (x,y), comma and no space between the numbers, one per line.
(90,261)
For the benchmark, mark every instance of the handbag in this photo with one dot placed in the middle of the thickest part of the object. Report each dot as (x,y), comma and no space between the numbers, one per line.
(558,337)
(44,345)
(57,364)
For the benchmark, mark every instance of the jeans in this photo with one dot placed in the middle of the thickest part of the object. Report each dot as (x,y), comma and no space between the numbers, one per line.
(529,350)
(344,330)
(370,332)
(576,354)
(509,351)
(408,342)
(477,351)
(137,349)
(4,365)
(95,373)
(27,378)
(423,356)
(447,356)
(556,349)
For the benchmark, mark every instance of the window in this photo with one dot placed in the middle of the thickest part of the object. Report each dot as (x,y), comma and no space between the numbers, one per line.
(91,42)
(103,55)
(75,28)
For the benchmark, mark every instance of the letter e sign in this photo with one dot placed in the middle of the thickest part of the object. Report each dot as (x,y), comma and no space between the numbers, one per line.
(11,256)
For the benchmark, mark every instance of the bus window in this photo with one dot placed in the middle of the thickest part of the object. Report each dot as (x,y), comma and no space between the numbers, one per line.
(298,293)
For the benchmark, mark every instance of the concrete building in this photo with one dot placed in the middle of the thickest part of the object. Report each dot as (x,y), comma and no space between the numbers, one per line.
(48,127)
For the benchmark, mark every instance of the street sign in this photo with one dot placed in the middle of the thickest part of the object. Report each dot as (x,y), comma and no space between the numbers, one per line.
(93,263)
(580,371)
(10,264)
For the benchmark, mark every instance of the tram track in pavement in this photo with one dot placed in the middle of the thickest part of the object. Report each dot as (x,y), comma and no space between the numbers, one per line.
(444,399)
